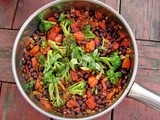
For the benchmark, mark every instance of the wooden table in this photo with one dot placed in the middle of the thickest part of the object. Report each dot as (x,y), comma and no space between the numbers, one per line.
(144,18)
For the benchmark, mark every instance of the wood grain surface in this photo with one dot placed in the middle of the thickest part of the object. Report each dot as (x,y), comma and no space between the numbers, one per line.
(25,9)
(130,109)
(7,11)
(144,18)
(14,107)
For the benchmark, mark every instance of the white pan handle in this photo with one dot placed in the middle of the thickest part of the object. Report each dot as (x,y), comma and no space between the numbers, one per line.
(145,96)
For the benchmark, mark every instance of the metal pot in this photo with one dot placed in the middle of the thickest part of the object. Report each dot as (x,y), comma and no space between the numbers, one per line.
(132,90)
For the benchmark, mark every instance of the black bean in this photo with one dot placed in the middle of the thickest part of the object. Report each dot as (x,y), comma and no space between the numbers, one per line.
(34,75)
(29,66)
(120,48)
(73,15)
(96,108)
(123,71)
(80,74)
(26,77)
(45,92)
(126,77)
(99,101)
(101,34)
(87,86)
(86,76)
(28,58)
(96,97)
(83,106)
(97,28)
(31,70)
(94,29)
(84,99)
(31,55)
(110,30)
(96,33)
(124,81)
(56,15)
(80,102)
(103,96)
(104,53)
(124,51)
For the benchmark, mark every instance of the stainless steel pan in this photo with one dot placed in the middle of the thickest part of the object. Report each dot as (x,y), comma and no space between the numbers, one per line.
(132,90)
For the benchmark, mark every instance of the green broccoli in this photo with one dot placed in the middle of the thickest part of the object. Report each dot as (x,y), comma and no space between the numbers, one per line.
(30,85)
(61,49)
(45,25)
(53,86)
(78,88)
(113,76)
(43,42)
(61,17)
(87,32)
(41,59)
(113,62)
(58,101)
(65,25)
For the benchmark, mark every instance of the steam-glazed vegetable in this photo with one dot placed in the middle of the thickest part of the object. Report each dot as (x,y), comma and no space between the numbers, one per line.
(77,62)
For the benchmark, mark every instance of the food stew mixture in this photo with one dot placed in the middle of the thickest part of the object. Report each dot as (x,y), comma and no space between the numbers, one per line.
(77,62)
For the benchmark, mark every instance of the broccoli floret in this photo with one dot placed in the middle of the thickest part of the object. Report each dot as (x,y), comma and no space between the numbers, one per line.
(61,17)
(61,49)
(78,88)
(87,32)
(113,62)
(41,59)
(53,88)
(58,101)
(65,25)
(45,25)
(43,42)
(113,76)
(30,85)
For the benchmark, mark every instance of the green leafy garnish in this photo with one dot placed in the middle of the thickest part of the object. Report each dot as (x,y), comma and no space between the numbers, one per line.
(78,88)
(61,17)
(41,59)
(45,25)
(65,25)
(113,76)
(43,42)
(30,85)
(88,34)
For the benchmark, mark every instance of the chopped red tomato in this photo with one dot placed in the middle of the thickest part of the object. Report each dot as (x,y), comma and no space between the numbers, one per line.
(79,35)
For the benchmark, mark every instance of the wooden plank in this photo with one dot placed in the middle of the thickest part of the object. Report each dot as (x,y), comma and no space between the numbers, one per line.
(130,109)
(147,76)
(25,9)
(6,43)
(25,4)
(0,87)
(107,116)
(7,10)
(14,106)
(144,18)
(6,70)
(112,3)
(7,38)
(149,55)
